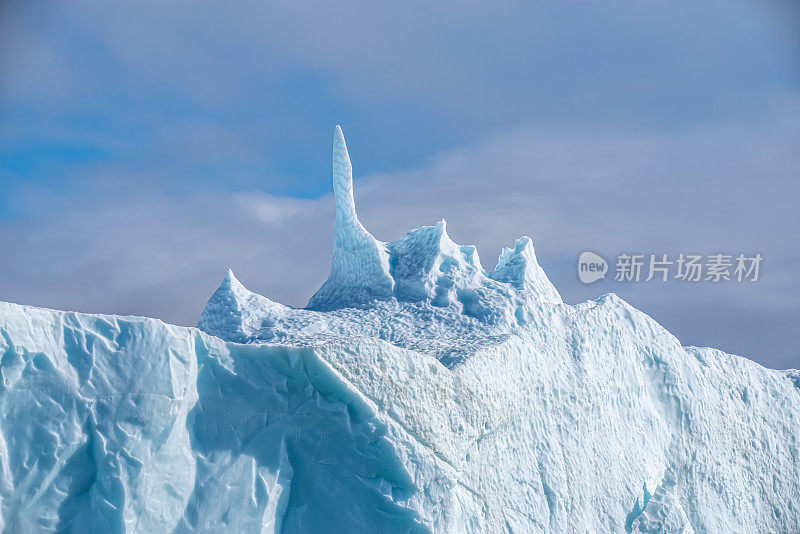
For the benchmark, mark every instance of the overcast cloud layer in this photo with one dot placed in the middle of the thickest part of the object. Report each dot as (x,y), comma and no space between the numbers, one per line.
(144,150)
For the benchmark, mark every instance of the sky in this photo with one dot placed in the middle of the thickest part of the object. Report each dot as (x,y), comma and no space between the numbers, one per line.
(147,147)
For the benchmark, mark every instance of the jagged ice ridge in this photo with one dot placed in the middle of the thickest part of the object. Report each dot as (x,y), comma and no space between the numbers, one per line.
(416,392)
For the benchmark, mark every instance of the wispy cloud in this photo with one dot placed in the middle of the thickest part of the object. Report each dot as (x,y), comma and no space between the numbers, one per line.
(268,209)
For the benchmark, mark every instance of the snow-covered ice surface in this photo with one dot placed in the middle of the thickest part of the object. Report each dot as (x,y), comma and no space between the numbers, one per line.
(416,393)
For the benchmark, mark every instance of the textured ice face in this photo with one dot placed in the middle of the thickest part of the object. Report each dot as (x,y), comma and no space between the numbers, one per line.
(129,425)
(420,394)
(597,420)
(587,418)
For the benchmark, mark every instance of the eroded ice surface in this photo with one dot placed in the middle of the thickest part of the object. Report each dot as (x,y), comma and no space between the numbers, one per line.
(423,292)
(418,393)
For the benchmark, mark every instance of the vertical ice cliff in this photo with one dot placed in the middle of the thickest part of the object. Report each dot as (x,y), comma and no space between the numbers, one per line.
(125,424)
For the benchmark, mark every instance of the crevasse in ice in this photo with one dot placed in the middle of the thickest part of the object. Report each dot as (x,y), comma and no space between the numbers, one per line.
(417,392)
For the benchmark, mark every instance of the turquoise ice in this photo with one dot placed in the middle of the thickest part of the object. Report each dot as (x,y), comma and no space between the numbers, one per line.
(417,392)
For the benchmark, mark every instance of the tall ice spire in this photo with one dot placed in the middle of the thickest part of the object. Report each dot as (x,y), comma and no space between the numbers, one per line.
(360,267)
(343,181)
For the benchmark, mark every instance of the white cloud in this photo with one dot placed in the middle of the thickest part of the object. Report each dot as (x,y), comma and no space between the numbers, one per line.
(268,209)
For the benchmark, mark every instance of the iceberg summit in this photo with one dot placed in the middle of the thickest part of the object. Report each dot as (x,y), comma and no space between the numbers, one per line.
(416,392)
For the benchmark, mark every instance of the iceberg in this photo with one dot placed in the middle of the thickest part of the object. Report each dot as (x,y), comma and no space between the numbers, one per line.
(416,392)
